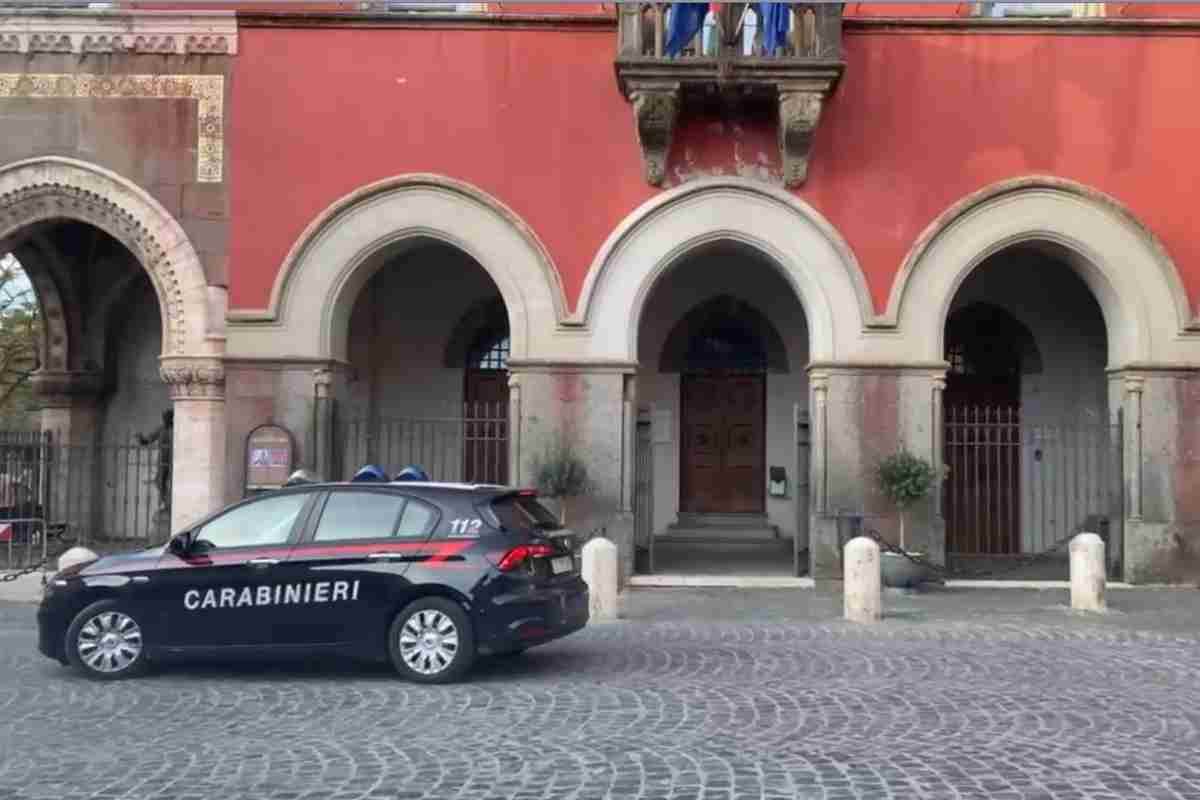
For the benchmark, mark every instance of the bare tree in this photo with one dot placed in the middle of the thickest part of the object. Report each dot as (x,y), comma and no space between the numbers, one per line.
(20,327)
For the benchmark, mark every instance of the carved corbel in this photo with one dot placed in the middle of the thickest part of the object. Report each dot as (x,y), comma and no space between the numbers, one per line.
(799,112)
(656,107)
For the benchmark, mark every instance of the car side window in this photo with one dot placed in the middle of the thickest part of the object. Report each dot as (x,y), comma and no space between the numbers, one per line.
(418,518)
(359,515)
(261,522)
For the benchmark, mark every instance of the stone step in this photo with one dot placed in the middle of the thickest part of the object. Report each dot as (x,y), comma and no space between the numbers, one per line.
(725,521)
(706,535)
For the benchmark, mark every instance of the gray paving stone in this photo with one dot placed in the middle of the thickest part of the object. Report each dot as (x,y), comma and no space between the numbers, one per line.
(705,694)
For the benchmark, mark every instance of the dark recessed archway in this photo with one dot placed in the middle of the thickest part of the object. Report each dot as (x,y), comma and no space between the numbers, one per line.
(724,333)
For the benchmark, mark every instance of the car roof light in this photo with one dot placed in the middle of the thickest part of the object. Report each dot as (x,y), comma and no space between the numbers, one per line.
(369,473)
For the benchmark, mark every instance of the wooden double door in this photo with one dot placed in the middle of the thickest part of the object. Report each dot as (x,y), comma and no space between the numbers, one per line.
(723,447)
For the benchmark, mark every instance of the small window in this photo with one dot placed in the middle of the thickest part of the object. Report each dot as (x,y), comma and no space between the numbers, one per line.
(359,515)
(261,522)
(490,351)
(417,520)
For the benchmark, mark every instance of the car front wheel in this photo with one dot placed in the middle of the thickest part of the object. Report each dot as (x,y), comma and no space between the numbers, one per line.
(431,641)
(105,642)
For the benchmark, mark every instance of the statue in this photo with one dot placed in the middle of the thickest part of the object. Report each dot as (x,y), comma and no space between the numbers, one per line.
(164,435)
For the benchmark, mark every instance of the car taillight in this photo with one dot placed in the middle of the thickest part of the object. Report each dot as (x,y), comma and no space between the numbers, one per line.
(515,557)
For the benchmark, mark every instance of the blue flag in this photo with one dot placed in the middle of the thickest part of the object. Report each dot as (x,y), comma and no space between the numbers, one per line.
(775,19)
(683,23)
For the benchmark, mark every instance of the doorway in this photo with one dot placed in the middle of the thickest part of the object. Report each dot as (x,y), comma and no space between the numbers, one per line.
(724,421)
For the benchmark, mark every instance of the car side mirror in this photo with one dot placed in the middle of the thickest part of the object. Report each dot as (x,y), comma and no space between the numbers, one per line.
(180,543)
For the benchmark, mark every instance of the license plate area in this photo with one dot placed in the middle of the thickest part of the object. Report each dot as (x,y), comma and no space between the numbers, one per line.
(562,564)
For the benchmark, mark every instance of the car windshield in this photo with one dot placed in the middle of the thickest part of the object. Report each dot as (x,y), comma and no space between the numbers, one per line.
(522,512)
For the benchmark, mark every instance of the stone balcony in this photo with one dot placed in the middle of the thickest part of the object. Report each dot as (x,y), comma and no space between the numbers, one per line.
(727,63)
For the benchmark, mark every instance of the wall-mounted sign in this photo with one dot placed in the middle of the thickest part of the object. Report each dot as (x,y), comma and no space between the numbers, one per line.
(269,456)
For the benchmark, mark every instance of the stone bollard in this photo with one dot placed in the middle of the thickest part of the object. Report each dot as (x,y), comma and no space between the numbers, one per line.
(600,574)
(76,555)
(1087,573)
(864,581)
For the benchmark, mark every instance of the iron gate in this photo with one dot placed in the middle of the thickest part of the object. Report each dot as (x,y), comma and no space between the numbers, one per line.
(472,448)
(643,497)
(1017,488)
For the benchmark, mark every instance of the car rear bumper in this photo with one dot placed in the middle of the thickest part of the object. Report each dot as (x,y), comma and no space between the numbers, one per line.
(526,619)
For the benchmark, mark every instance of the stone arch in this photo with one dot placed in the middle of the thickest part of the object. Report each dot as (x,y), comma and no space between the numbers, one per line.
(49,188)
(808,251)
(1124,266)
(333,258)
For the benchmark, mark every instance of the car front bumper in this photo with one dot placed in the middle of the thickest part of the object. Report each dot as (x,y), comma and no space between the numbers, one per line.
(52,628)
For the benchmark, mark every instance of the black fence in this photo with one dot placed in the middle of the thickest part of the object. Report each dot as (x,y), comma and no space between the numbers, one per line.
(89,494)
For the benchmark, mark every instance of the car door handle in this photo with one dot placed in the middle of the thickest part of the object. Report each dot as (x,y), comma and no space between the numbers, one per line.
(381,556)
(262,562)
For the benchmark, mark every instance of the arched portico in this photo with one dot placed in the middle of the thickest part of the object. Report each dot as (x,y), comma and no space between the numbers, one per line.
(379,289)
(810,254)
(1102,367)
(48,201)
(1126,268)
(321,277)
(682,251)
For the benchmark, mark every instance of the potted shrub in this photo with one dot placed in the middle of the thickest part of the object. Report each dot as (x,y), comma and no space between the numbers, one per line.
(904,479)
(560,475)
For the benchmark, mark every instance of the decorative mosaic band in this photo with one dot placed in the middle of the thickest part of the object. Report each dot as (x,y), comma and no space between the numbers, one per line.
(207,90)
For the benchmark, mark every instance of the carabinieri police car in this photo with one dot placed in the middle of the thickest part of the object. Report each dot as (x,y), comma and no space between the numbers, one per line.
(425,574)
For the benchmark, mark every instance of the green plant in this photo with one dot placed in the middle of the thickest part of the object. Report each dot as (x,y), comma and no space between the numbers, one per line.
(905,479)
(560,473)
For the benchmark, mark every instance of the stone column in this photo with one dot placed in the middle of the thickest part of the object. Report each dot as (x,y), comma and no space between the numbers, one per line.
(514,431)
(322,457)
(583,404)
(70,403)
(68,475)
(1134,389)
(198,450)
(1160,465)
(861,413)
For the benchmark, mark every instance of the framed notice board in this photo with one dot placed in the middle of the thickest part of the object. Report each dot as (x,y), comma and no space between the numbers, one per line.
(269,457)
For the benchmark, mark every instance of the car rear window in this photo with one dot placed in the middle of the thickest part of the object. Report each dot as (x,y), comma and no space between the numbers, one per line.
(520,513)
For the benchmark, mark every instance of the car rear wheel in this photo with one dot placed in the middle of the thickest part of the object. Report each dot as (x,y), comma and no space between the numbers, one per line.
(105,642)
(431,641)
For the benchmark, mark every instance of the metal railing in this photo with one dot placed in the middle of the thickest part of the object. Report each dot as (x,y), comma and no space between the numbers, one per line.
(472,448)
(1016,487)
(91,493)
(814,32)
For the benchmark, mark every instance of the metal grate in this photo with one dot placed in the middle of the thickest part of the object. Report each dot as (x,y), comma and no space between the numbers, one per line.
(471,448)
(1016,487)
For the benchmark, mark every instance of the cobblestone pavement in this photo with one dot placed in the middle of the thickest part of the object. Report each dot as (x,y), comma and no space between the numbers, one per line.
(696,694)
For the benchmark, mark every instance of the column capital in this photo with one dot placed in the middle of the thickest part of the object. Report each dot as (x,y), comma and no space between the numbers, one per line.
(194,378)
(322,382)
(65,388)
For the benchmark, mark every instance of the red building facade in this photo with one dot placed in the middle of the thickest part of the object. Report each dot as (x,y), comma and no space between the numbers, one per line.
(730,283)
